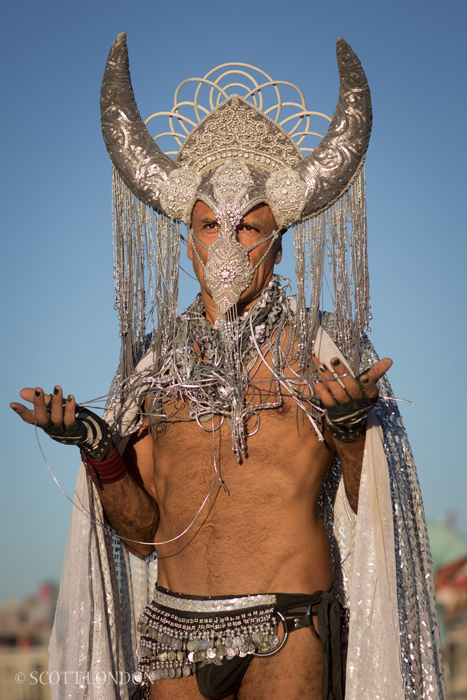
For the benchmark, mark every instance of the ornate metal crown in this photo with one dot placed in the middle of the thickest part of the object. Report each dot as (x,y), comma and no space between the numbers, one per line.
(237,132)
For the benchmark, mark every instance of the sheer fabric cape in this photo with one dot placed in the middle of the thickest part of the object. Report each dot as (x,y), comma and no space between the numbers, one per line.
(382,573)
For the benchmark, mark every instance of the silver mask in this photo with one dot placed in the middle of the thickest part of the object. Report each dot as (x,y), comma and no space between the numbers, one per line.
(228,271)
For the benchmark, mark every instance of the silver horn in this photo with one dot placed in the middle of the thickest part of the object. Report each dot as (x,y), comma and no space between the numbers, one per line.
(330,169)
(140,162)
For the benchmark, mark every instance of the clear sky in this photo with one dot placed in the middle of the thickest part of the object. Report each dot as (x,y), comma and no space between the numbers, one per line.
(58,323)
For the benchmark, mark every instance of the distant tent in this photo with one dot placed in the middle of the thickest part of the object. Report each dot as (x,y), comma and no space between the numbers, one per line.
(447,545)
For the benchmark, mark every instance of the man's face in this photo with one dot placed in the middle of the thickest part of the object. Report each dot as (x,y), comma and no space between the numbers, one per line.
(256,225)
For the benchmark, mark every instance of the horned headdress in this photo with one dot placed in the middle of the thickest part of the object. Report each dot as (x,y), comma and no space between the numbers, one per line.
(235,157)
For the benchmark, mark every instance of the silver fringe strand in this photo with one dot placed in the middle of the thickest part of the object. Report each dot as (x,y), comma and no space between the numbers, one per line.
(146,275)
(337,235)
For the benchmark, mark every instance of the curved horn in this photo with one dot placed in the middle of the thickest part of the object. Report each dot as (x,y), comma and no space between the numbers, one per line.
(140,162)
(330,169)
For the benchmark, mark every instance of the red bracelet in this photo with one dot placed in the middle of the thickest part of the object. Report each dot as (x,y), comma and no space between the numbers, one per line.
(108,471)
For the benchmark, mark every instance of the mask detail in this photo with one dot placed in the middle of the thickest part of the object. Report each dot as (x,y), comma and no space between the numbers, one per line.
(228,271)
(286,194)
(178,193)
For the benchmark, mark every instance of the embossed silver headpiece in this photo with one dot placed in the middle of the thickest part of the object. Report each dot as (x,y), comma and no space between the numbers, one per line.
(294,187)
(233,156)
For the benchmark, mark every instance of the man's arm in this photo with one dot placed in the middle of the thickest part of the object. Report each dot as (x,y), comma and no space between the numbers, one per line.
(340,394)
(129,503)
(351,459)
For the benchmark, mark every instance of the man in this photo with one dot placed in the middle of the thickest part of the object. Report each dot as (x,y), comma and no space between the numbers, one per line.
(232,415)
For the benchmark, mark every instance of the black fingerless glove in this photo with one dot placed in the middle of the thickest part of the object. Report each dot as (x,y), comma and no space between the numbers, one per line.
(89,432)
(346,421)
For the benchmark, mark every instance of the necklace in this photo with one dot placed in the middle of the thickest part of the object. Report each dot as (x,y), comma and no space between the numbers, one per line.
(207,367)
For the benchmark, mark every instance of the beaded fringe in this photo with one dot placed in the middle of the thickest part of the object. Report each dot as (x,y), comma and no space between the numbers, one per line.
(146,275)
(336,238)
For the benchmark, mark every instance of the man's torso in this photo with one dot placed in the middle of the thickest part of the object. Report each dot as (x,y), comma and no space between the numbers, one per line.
(264,534)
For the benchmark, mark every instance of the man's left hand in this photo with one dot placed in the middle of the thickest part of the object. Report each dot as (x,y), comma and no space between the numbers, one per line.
(348,399)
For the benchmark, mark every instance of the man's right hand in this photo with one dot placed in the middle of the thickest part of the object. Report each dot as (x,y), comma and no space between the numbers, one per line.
(58,412)
(67,423)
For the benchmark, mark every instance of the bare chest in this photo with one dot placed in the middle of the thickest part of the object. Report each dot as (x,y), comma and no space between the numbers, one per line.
(214,509)
(215,514)
(284,460)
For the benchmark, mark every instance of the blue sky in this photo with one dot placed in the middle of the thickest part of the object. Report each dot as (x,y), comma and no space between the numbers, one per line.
(57,313)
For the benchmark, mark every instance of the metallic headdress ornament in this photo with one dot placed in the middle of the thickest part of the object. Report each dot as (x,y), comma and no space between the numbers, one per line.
(234,158)
(272,168)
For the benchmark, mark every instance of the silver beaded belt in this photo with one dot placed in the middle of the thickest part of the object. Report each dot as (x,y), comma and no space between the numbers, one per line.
(208,604)
(180,634)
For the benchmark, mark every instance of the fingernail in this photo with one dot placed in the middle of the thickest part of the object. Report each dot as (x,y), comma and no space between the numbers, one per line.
(14,409)
(323,368)
(37,393)
(69,398)
(365,380)
(56,390)
(335,362)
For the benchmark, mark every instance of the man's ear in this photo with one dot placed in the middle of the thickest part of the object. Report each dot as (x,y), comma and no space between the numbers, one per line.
(189,248)
(278,257)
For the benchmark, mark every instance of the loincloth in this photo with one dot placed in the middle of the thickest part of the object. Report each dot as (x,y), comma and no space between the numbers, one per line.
(216,638)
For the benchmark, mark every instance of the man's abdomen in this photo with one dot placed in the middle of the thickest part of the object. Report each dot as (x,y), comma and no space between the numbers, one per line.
(258,534)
